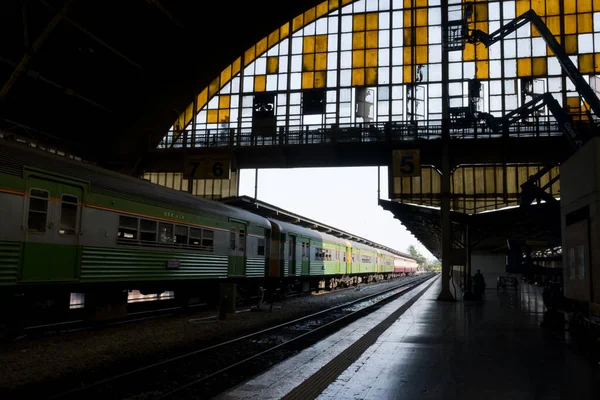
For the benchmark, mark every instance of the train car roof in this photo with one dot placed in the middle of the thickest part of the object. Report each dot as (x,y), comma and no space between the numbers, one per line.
(15,156)
(287,227)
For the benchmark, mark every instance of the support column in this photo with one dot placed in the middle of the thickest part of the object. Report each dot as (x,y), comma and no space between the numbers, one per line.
(446,294)
(468,295)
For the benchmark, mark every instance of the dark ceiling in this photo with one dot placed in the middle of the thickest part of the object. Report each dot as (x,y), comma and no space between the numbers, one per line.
(100,78)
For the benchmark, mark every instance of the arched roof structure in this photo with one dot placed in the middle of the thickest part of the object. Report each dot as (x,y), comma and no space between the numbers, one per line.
(104,79)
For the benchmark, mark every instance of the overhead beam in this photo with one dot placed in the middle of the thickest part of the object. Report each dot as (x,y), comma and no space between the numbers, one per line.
(67,91)
(34,48)
(95,38)
(167,13)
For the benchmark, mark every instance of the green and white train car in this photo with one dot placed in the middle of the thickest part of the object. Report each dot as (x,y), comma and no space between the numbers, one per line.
(67,226)
(326,260)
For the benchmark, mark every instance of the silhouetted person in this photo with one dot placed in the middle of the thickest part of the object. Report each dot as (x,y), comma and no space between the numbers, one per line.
(478,285)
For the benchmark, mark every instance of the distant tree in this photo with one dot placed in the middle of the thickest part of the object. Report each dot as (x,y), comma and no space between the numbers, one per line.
(421,260)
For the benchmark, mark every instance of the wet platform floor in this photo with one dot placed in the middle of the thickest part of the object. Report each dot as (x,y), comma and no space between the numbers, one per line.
(490,349)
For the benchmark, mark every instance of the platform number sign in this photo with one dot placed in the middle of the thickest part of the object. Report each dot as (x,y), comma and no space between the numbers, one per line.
(406,163)
(209,168)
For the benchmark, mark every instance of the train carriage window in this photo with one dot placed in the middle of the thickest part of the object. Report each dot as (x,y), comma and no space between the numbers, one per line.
(165,233)
(148,230)
(181,234)
(208,240)
(128,228)
(68,215)
(242,242)
(261,247)
(38,210)
(232,239)
(195,238)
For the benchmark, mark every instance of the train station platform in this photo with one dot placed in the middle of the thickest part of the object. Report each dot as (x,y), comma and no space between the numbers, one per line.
(490,349)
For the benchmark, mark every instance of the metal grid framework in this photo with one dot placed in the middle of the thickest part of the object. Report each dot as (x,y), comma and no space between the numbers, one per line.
(379,61)
(474,188)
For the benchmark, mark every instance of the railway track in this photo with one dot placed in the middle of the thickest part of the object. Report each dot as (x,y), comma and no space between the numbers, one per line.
(206,372)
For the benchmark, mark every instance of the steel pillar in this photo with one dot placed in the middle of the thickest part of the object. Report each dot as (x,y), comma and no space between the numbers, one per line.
(446,294)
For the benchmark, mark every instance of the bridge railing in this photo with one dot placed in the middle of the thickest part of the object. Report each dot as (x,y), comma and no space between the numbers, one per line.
(356,133)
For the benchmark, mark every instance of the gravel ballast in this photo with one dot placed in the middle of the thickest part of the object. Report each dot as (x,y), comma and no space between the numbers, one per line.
(86,356)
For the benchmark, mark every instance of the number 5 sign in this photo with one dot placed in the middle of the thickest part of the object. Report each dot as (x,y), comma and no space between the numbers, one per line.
(406,163)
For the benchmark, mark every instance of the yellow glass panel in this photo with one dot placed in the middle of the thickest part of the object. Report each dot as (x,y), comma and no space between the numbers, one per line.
(202,99)
(522,6)
(571,44)
(469,52)
(333,4)
(407,19)
(596,6)
(553,24)
(573,104)
(552,7)
(408,76)
(224,115)
(372,58)
(421,17)
(272,65)
(320,79)
(309,44)
(309,16)
(585,23)
(539,6)
(524,67)
(372,21)
(284,31)
(236,66)
(260,83)
(297,22)
(249,56)
(214,87)
(482,53)
(189,113)
(225,75)
(358,40)
(407,37)
(308,79)
(358,58)
(372,39)
(224,101)
(321,44)
(358,77)
(540,66)
(261,47)
(308,62)
(586,63)
(421,3)
(321,62)
(322,9)
(371,76)
(483,70)
(422,54)
(570,24)
(597,61)
(407,56)
(481,12)
(344,2)
(274,38)
(570,6)
(358,23)
(212,117)
(422,35)
(407,3)
(584,6)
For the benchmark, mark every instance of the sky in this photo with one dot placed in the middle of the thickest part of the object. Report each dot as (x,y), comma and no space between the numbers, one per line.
(345,198)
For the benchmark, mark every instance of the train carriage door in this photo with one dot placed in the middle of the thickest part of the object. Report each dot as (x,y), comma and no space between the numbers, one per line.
(292,254)
(305,255)
(52,230)
(237,249)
